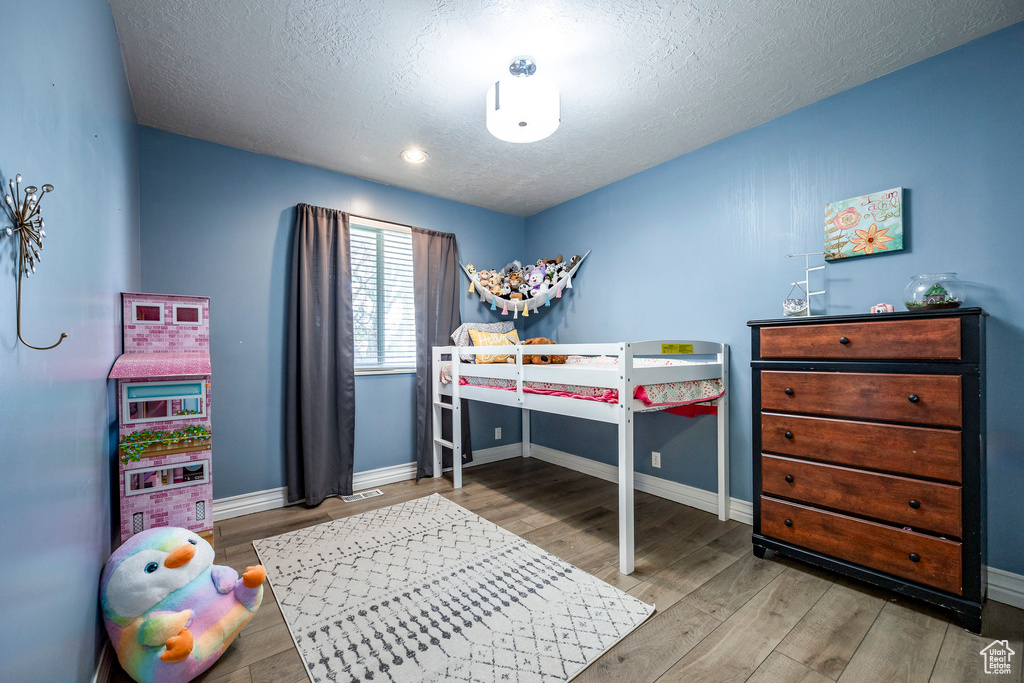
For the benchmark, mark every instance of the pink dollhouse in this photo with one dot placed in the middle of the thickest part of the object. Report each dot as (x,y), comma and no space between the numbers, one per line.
(163,407)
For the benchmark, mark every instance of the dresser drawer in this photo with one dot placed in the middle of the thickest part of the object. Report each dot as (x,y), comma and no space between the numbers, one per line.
(920,504)
(917,451)
(921,399)
(870,544)
(929,339)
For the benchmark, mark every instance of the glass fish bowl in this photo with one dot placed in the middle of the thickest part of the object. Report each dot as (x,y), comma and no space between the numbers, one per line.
(933,292)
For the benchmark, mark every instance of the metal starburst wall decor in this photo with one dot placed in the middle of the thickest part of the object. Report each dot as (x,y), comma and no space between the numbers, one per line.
(28,226)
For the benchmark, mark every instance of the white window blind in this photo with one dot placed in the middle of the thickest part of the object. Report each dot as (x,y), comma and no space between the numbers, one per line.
(382,296)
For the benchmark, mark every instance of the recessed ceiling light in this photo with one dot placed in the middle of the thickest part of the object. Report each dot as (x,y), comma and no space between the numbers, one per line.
(415,156)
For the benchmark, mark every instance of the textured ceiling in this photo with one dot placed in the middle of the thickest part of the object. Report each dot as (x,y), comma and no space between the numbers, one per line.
(347,85)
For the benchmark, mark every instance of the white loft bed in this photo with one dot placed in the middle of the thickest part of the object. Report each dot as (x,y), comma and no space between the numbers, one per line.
(609,377)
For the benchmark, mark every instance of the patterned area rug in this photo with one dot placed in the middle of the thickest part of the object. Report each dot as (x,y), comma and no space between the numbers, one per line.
(427,590)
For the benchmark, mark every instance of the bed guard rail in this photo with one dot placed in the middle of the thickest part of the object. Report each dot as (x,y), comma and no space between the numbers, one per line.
(606,377)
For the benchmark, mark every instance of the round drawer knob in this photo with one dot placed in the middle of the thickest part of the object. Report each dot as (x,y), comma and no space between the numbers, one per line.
(789,435)
(914,557)
(913,398)
(789,478)
(788,522)
(844,340)
(915,504)
(789,391)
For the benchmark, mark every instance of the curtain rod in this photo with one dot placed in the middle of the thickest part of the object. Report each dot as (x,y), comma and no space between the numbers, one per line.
(403,225)
(381,220)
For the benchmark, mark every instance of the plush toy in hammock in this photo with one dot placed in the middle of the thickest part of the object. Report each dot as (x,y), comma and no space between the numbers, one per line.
(169,611)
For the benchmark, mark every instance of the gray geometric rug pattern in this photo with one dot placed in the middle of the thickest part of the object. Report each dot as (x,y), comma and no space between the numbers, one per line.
(429,591)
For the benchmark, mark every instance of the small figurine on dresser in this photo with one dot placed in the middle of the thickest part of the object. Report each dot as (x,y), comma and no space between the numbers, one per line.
(163,405)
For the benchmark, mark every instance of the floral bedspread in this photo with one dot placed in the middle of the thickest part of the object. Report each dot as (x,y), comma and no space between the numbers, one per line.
(655,396)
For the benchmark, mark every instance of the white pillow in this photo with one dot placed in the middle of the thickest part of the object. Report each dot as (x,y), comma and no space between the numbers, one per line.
(461,335)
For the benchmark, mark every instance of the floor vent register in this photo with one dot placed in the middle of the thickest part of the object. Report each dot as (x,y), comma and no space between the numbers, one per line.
(362,495)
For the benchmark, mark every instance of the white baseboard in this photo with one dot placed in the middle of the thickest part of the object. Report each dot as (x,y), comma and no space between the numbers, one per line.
(494,454)
(105,664)
(272,499)
(382,476)
(248,503)
(740,510)
(1006,587)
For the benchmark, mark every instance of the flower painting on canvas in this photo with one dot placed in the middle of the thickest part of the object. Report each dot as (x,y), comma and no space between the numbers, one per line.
(863,226)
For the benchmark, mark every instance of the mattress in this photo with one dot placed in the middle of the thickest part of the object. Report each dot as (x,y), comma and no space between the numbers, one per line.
(686,398)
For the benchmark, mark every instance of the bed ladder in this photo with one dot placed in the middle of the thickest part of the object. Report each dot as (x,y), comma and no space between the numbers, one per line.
(437,408)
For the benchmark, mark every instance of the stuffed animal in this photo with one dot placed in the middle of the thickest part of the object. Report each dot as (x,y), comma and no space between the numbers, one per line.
(484,278)
(515,279)
(169,611)
(541,359)
(535,281)
(493,282)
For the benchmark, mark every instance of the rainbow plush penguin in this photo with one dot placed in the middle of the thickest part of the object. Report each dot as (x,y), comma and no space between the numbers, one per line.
(170,612)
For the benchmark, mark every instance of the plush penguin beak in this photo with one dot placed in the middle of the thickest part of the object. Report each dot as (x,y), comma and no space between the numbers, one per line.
(180,556)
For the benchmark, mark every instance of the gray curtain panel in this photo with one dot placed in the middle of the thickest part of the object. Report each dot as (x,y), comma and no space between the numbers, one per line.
(320,386)
(435,264)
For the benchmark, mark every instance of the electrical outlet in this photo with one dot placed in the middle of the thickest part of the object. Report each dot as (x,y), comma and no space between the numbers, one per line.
(497,433)
(655,459)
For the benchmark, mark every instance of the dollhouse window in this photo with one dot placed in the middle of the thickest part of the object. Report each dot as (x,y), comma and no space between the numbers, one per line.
(382,296)
(147,314)
(166,477)
(187,314)
(158,401)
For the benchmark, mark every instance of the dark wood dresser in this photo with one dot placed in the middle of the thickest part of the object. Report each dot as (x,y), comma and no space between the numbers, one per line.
(869,450)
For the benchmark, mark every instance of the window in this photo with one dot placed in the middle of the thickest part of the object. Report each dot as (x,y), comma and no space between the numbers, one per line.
(146,313)
(161,401)
(382,296)
(187,314)
(143,480)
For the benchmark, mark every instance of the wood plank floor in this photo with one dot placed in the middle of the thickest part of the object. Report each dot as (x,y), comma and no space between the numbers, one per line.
(722,614)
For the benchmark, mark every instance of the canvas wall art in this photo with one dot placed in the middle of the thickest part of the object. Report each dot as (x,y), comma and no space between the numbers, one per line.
(863,226)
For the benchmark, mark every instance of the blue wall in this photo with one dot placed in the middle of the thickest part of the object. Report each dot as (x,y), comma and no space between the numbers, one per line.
(695,247)
(218,221)
(66,118)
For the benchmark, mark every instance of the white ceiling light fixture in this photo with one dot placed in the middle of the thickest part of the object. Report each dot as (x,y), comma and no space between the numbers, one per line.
(525,107)
(415,156)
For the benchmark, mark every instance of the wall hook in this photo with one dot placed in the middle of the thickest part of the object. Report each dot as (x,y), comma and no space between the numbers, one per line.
(28,224)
